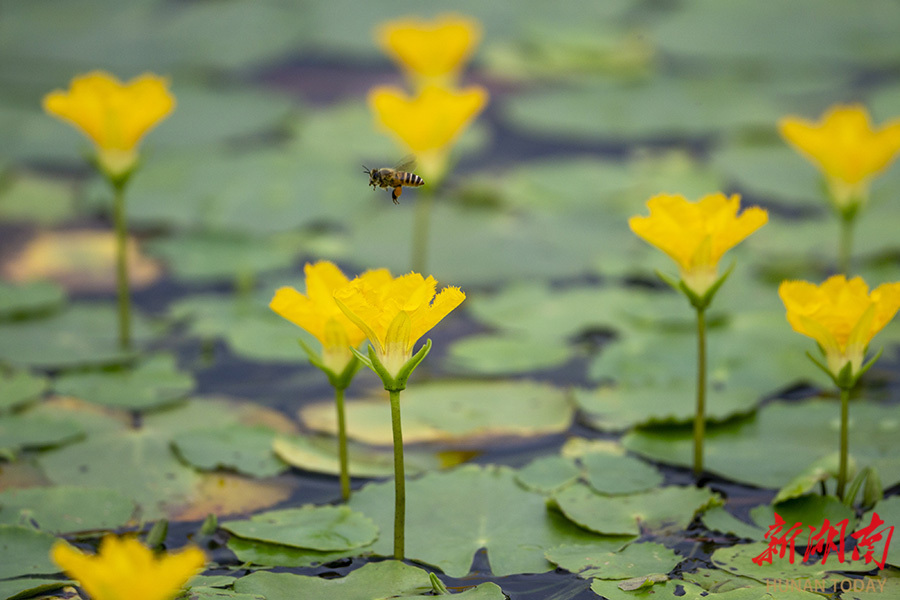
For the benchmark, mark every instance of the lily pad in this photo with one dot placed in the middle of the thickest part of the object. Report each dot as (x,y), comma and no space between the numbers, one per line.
(739,560)
(29,299)
(322,528)
(241,448)
(665,508)
(27,552)
(277,555)
(780,441)
(611,474)
(631,561)
(671,588)
(479,507)
(372,581)
(30,431)
(19,388)
(453,410)
(548,473)
(493,354)
(82,335)
(319,454)
(65,509)
(18,589)
(29,198)
(153,383)
(810,511)
(888,510)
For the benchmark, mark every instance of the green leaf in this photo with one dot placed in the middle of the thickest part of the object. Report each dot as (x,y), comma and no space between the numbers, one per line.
(372,581)
(19,388)
(322,528)
(319,454)
(241,448)
(493,354)
(25,431)
(65,509)
(82,335)
(781,440)
(30,299)
(888,511)
(611,474)
(478,508)
(809,511)
(43,201)
(17,589)
(548,473)
(633,560)
(26,552)
(453,410)
(153,383)
(665,508)
(673,588)
(820,471)
(276,555)
(739,560)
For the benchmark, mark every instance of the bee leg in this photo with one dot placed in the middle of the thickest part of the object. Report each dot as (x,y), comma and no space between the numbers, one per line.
(396,194)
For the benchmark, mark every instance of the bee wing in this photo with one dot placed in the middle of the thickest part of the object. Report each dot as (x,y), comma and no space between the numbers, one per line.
(407,163)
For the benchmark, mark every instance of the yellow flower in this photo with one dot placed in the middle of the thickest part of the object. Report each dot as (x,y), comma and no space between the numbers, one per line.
(113,114)
(696,235)
(842,316)
(395,313)
(430,51)
(846,148)
(428,123)
(125,569)
(317,313)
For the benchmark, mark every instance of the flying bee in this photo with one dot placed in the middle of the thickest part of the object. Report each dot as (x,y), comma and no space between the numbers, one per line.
(395,178)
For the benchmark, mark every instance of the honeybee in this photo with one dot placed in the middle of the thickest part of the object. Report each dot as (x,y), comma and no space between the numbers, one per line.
(395,178)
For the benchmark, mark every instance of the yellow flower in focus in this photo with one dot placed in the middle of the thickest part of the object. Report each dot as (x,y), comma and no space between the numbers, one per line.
(696,235)
(431,51)
(846,148)
(317,313)
(114,115)
(841,315)
(395,313)
(428,123)
(125,569)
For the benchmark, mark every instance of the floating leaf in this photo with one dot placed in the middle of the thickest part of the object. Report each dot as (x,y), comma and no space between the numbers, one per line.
(32,199)
(26,552)
(225,494)
(65,509)
(322,528)
(889,511)
(29,299)
(153,383)
(80,260)
(20,387)
(810,511)
(611,474)
(82,335)
(18,589)
(372,581)
(672,588)
(479,508)
(670,507)
(592,561)
(493,354)
(319,454)
(548,473)
(780,441)
(275,555)
(739,560)
(22,431)
(244,449)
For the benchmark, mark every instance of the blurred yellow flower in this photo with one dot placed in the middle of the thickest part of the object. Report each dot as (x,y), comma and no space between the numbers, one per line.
(125,569)
(317,313)
(114,115)
(430,51)
(841,315)
(846,148)
(428,123)
(696,235)
(395,313)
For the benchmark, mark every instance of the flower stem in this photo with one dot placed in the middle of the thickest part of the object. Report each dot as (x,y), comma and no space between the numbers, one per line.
(421,229)
(846,243)
(124,296)
(342,443)
(399,479)
(842,466)
(700,414)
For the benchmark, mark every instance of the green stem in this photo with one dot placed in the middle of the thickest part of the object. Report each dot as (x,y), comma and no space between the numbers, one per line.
(700,415)
(342,443)
(399,479)
(846,243)
(842,467)
(124,296)
(421,229)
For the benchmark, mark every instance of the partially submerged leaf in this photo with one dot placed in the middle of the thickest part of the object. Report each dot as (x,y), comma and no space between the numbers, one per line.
(321,528)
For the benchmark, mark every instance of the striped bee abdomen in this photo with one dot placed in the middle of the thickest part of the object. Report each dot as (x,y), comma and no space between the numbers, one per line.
(411,179)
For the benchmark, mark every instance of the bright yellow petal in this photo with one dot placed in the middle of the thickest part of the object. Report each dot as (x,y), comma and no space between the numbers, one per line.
(429,121)
(430,48)
(299,310)
(125,569)
(430,315)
